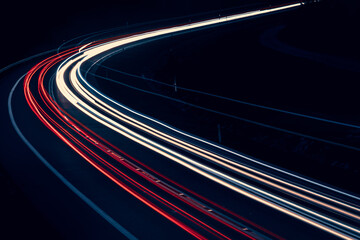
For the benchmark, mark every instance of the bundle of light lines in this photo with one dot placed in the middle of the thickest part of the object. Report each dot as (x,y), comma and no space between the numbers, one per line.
(74,87)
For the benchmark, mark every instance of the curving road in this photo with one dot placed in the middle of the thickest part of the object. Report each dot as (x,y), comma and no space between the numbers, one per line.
(145,179)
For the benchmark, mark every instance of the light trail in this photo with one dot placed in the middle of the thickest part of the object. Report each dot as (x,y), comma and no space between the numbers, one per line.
(96,108)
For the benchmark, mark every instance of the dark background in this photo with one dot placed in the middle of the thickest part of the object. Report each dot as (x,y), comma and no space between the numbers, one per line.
(29,27)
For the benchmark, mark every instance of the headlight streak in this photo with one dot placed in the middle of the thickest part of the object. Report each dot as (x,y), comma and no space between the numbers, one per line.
(85,53)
